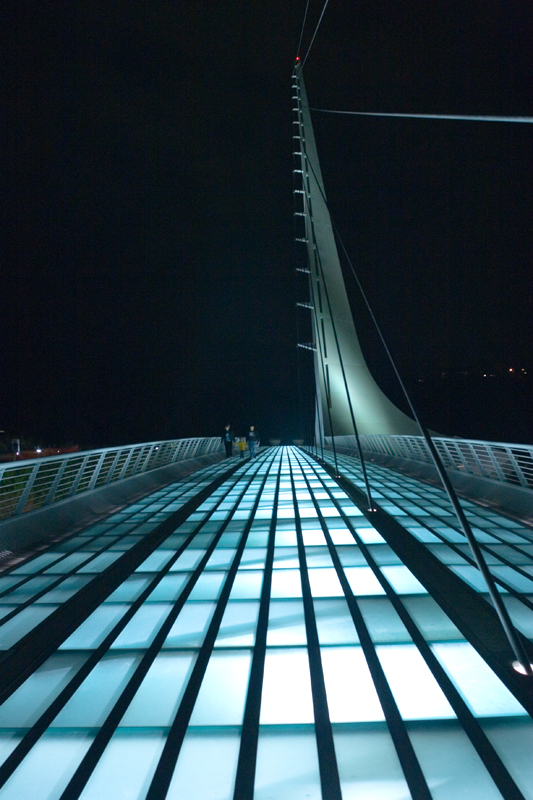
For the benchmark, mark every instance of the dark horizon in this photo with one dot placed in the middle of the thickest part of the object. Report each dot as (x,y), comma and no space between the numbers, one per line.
(149,287)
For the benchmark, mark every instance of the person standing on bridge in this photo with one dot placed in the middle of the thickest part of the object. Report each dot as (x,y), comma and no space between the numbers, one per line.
(252,438)
(227,438)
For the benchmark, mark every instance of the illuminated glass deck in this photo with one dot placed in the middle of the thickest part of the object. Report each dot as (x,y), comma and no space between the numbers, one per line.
(271,645)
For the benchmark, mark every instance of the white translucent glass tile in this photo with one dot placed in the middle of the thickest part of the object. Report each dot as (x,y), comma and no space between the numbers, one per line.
(286,558)
(27,590)
(286,698)
(221,558)
(325,583)
(93,700)
(129,590)
(192,780)
(14,629)
(286,583)
(334,622)
(483,691)
(8,741)
(382,621)
(402,580)
(422,534)
(513,741)
(101,562)
(287,766)
(191,625)
(521,616)
(341,535)
(363,581)
(126,767)
(188,560)
(155,561)
(313,538)
(350,510)
(169,587)
(285,538)
(247,585)
(430,618)
(513,578)
(350,689)
(143,626)
(368,765)
(28,702)
(159,695)
(474,577)
(370,536)
(37,563)
(66,589)
(286,625)
(48,767)
(253,558)
(450,764)
(238,625)
(208,586)
(223,691)
(415,690)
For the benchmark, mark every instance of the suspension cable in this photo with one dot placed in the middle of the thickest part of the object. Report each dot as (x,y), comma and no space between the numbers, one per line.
(315,33)
(466,117)
(302,31)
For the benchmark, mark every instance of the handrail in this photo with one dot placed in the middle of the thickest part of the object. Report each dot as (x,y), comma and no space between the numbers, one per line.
(37,482)
(497,461)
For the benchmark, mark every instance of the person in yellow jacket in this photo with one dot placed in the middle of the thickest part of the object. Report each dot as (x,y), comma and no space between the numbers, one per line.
(241,445)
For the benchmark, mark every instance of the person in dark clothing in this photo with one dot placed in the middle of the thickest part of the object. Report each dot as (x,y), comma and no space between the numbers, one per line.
(227,438)
(252,437)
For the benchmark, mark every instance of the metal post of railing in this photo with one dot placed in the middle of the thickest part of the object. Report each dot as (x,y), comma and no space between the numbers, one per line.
(96,473)
(55,483)
(23,499)
(109,476)
(77,479)
(126,464)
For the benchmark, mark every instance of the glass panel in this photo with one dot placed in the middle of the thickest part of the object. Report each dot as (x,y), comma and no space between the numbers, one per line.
(286,624)
(287,766)
(238,625)
(160,693)
(95,628)
(363,581)
(484,692)
(48,767)
(191,625)
(169,587)
(417,693)
(325,583)
(382,621)
(94,699)
(188,560)
(370,536)
(221,557)
(129,590)
(35,564)
(286,695)
(67,588)
(402,580)
(351,693)
(126,767)
(142,628)
(341,535)
(286,583)
(450,764)
(513,740)
(223,691)
(26,705)
(155,561)
(101,562)
(191,780)
(334,622)
(369,768)
(431,619)
(14,629)
(247,585)
(69,563)
(253,558)
(28,589)
(208,586)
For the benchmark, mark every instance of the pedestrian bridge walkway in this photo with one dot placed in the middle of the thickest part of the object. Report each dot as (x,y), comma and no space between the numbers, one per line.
(253,631)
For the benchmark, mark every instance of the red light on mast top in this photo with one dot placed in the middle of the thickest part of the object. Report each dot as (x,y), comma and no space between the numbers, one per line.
(297,58)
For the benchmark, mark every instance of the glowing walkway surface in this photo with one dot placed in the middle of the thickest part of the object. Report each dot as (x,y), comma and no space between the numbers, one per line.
(269,645)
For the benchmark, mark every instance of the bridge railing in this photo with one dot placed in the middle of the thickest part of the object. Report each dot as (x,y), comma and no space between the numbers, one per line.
(31,484)
(506,463)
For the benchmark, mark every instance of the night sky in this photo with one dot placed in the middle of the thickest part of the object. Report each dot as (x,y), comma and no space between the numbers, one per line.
(148,288)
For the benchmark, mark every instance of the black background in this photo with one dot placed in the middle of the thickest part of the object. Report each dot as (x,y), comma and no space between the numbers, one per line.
(149,290)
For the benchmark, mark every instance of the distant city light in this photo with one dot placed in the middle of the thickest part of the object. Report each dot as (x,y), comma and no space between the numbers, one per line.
(38,450)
